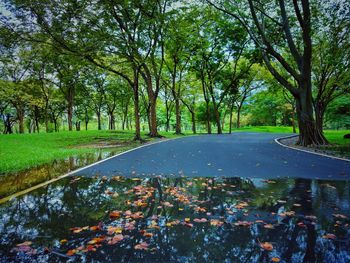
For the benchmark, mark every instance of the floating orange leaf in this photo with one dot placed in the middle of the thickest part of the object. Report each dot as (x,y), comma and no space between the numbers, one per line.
(329,236)
(115,214)
(141,246)
(115,239)
(267,246)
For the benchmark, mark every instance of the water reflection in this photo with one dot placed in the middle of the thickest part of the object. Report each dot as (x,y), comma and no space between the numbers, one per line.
(13,183)
(179,219)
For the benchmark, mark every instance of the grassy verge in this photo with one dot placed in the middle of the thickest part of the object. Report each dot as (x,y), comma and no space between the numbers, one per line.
(23,151)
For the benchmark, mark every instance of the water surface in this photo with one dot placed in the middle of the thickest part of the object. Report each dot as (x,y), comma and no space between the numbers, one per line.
(178,220)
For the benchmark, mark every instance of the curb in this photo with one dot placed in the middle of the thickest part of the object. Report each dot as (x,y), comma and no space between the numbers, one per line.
(277,140)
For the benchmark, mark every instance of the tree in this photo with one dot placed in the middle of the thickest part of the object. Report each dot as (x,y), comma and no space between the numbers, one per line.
(284,39)
(331,61)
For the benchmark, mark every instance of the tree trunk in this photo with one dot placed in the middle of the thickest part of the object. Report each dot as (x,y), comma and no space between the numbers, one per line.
(136,106)
(231,119)
(8,126)
(319,114)
(98,113)
(152,100)
(111,121)
(153,118)
(193,119)
(217,119)
(77,125)
(238,123)
(208,117)
(20,115)
(309,134)
(178,116)
(86,119)
(36,118)
(46,116)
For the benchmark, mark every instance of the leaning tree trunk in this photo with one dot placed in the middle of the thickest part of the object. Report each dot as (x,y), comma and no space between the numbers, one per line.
(309,134)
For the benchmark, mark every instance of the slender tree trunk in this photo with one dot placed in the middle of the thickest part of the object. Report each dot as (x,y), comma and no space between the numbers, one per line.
(153,118)
(136,106)
(70,108)
(217,119)
(111,121)
(20,115)
(208,117)
(46,116)
(36,118)
(77,125)
(8,126)
(178,116)
(231,119)
(99,126)
(238,123)
(86,120)
(193,119)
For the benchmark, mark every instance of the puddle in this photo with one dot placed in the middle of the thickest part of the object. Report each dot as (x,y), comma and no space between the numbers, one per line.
(178,220)
(15,182)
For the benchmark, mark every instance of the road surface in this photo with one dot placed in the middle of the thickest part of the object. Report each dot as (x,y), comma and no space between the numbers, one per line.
(241,154)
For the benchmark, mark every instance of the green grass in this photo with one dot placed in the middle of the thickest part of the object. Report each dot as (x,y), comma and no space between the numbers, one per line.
(274,129)
(336,137)
(22,151)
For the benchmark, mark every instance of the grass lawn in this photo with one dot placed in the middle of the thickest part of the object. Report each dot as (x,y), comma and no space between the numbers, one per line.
(22,151)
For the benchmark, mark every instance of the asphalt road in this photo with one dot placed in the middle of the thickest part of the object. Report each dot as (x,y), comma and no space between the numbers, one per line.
(236,155)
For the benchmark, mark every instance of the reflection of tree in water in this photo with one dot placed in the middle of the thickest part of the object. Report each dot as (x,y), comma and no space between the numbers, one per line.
(46,215)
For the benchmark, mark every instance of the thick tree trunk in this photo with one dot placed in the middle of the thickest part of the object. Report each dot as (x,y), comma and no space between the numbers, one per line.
(319,114)
(309,134)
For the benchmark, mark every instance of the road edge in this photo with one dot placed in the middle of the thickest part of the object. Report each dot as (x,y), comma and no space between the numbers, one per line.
(277,140)
(30,189)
